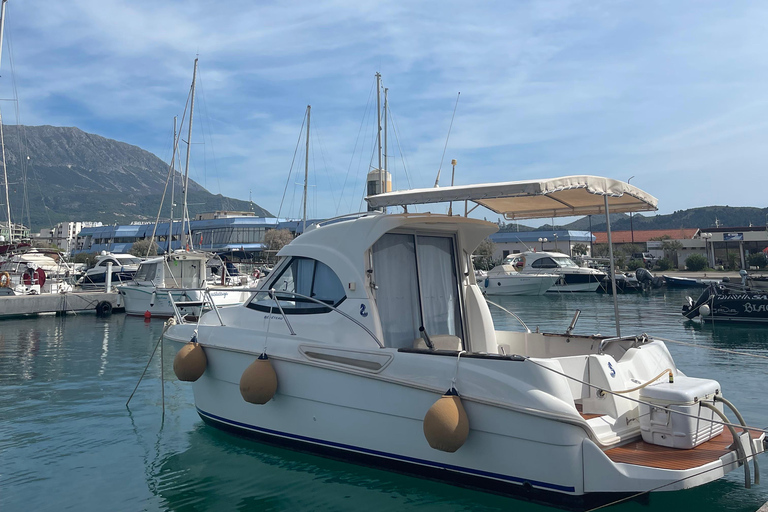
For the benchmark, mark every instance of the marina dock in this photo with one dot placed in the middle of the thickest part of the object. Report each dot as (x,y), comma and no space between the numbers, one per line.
(75,302)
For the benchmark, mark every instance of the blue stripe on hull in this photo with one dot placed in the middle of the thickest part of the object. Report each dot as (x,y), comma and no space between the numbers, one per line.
(392,456)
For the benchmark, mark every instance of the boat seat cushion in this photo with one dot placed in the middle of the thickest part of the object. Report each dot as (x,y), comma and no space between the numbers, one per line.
(440,341)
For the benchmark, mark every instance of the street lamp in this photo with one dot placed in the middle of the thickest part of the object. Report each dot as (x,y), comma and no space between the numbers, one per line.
(542,240)
(631,228)
(706,237)
(555,235)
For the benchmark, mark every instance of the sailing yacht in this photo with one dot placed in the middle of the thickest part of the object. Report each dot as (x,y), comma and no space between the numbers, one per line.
(177,282)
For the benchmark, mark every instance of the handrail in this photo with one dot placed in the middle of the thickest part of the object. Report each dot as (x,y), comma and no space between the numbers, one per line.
(272,293)
(510,313)
(641,338)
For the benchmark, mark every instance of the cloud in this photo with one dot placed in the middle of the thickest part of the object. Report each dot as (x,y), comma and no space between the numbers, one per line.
(670,92)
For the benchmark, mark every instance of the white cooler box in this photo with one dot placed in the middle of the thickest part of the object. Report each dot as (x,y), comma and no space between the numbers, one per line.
(661,427)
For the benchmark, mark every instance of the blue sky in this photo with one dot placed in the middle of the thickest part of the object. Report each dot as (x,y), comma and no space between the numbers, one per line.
(672,93)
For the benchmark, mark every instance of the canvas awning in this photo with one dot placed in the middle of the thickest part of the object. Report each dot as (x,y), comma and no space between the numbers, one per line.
(556,197)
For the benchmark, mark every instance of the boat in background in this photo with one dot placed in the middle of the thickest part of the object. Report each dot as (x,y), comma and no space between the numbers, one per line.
(729,302)
(572,278)
(124,266)
(506,280)
(689,282)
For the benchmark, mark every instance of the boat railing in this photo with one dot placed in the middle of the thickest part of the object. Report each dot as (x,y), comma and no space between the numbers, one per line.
(638,340)
(178,315)
(272,293)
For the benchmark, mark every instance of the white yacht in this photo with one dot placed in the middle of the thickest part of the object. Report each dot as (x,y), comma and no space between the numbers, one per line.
(572,278)
(504,279)
(124,266)
(371,341)
(182,276)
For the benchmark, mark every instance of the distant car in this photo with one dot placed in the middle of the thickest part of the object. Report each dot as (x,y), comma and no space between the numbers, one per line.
(648,259)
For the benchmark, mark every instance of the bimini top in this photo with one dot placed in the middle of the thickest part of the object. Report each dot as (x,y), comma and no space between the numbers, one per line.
(555,197)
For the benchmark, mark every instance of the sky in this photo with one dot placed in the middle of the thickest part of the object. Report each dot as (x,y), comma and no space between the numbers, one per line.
(673,95)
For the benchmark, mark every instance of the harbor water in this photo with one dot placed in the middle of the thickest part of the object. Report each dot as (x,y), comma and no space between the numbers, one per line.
(68,441)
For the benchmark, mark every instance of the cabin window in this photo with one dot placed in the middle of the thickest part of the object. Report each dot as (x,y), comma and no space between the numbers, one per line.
(417,285)
(544,263)
(146,272)
(302,276)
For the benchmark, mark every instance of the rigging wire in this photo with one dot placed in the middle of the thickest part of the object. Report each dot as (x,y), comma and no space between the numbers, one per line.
(210,131)
(290,171)
(437,180)
(354,150)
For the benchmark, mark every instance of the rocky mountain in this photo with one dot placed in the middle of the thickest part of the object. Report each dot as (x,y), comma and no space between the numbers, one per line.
(74,175)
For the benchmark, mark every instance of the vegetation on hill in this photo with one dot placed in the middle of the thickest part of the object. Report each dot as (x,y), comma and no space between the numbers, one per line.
(71,175)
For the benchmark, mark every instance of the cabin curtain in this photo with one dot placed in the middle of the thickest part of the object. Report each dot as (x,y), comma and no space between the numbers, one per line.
(397,293)
(439,287)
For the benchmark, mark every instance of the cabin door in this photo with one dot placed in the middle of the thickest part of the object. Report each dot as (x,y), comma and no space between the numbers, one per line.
(416,285)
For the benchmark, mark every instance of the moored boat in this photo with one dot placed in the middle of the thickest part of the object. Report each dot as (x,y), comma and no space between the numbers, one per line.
(371,342)
(729,303)
(572,278)
(506,280)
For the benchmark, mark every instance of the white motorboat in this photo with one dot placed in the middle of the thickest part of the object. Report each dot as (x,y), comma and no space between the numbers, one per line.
(506,280)
(372,342)
(124,266)
(572,278)
(180,275)
(33,272)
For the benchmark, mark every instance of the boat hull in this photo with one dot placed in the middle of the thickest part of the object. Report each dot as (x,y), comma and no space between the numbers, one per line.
(518,284)
(375,421)
(724,305)
(577,282)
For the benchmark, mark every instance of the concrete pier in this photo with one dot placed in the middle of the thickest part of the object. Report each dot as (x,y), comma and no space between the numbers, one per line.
(73,302)
(764,508)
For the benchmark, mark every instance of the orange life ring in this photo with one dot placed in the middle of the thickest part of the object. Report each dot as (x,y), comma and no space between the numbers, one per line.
(5,280)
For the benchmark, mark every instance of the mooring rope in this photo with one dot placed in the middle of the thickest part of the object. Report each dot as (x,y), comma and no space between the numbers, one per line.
(726,351)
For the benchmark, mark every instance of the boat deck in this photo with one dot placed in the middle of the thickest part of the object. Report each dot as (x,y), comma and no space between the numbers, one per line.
(644,454)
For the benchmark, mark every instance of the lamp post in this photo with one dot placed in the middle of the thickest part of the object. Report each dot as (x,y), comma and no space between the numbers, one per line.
(631,228)
(706,237)
(555,235)
(542,240)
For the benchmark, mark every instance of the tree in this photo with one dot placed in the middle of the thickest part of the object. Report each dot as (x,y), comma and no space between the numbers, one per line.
(276,239)
(670,248)
(484,254)
(696,262)
(85,257)
(579,249)
(757,259)
(600,250)
(142,248)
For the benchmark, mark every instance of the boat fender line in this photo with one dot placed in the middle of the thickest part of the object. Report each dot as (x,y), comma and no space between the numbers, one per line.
(258,383)
(446,424)
(104,308)
(727,403)
(5,280)
(190,361)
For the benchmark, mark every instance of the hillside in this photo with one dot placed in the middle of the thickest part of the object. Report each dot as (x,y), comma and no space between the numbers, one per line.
(703,217)
(73,175)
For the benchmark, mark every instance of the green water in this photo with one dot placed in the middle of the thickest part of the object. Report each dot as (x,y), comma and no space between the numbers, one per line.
(68,442)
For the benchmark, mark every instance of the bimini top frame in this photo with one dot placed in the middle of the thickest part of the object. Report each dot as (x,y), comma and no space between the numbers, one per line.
(555,197)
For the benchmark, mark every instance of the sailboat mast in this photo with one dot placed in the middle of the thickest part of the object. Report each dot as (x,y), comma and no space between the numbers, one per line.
(2,142)
(173,183)
(378,129)
(185,185)
(306,174)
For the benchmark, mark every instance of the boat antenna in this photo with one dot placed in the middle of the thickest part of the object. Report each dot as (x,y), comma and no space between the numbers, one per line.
(524,244)
(185,183)
(437,180)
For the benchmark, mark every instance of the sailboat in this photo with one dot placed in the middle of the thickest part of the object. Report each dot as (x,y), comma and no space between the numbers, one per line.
(177,282)
(11,235)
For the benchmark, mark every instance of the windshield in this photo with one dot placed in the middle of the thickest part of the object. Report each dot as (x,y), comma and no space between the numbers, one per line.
(565,261)
(129,261)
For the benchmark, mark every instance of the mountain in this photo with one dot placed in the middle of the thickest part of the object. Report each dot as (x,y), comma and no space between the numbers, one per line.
(74,175)
(704,217)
